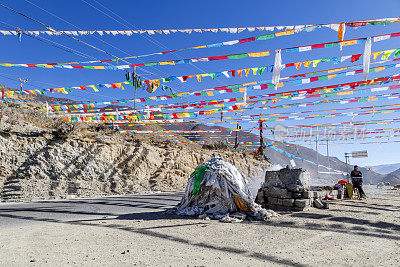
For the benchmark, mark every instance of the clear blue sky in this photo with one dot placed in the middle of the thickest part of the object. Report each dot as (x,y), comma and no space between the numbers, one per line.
(194,14)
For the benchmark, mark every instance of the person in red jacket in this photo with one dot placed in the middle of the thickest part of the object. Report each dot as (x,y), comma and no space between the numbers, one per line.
(357,180)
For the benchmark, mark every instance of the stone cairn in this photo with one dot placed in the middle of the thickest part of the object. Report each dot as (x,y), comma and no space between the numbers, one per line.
(289,189)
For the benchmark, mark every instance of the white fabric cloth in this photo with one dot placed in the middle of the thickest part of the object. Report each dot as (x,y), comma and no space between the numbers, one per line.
(344,30)
(367,57)
(381,38)
(276,75)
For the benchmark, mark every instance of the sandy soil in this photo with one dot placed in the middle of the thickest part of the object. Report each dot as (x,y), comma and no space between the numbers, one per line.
(350,233)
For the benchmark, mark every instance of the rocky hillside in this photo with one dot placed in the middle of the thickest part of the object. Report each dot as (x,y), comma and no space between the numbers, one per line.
(393,178)
(44,158)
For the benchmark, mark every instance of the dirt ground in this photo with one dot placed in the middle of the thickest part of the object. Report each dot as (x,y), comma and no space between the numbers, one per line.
(350,233)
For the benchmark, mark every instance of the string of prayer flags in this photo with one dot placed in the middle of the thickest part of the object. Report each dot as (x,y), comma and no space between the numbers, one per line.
(203,59)
(232,30)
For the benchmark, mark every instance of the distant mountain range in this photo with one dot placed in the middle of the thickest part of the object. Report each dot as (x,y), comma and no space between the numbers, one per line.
(386,168)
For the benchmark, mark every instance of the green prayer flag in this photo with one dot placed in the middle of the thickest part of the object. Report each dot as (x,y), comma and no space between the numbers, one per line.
(386,22)
(238,56)
(397,52)
(265,37)
(331,45)
(261,70)
(151,64)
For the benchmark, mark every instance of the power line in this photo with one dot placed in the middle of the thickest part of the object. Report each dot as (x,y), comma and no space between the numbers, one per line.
(146,37)
(88,43)
(54,44)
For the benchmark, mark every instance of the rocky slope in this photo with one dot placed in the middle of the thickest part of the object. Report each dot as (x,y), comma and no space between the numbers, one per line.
(43,158)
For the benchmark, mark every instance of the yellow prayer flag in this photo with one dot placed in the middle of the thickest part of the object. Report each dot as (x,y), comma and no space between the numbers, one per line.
(307,64)
(242,89)
(289,32)
(351,42)
(250,83)
(315,62)
(377,69)
(376,54)
(331,76)
(167,63)
(10,94)
(210,93)
(345,93)
(197,47)
(99,67)
(338,69)
(247,71)
(198,78)
(94,88)
(259,54)
(298,65)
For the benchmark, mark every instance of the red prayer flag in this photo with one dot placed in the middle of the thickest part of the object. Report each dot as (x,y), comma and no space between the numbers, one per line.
(355,57)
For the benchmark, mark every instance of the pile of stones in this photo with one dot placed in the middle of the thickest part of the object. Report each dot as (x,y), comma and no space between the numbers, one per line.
(289,189)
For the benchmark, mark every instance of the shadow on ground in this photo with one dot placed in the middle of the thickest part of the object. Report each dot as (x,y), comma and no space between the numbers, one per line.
(152,208)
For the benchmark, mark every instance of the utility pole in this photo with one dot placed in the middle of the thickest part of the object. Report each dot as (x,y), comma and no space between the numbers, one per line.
(238,127)
(135,84)
(316,149)
(327,152)
(260,151)
(347,155)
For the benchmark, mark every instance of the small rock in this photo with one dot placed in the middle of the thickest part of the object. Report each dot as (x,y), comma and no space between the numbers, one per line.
(32,260)
(318,204)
